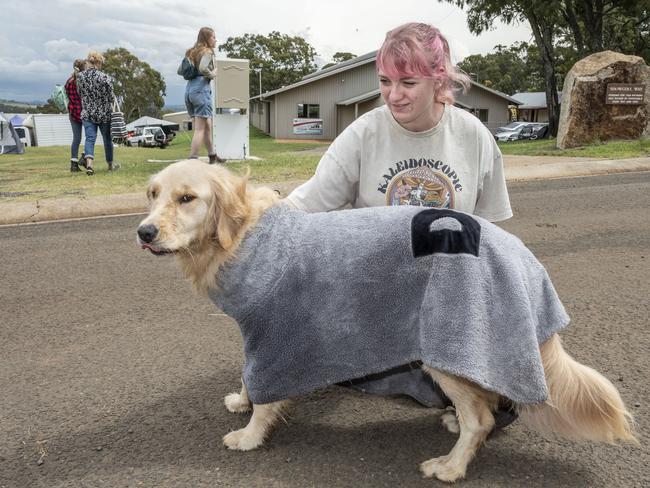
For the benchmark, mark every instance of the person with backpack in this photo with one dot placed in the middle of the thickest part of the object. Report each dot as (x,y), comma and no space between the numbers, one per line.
(97,97)
(74,113)
(198,68)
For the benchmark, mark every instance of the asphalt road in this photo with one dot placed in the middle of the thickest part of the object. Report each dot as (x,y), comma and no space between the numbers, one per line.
(112,373)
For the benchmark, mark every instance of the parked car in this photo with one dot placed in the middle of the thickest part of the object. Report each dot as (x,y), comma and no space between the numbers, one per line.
(521,130)
(512,126)
(509,132)
(534,131)
(148,137)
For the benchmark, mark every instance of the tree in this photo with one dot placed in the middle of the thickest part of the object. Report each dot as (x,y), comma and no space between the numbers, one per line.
(48,108)
(283,59)
(567,30)
(339,57)
(592,25)
(504,70)
(544,18)
(138,86)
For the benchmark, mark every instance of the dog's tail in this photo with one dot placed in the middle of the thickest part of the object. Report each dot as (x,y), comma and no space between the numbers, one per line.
(582,403)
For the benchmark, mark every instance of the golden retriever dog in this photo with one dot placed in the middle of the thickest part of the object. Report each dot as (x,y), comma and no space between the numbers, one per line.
(201,214)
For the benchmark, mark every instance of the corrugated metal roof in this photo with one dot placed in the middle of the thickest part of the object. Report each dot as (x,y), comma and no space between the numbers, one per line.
(358,60)
(531,100)
(318,75)
(360,98)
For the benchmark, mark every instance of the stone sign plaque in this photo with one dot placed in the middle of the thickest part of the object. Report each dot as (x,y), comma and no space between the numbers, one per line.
(625,94)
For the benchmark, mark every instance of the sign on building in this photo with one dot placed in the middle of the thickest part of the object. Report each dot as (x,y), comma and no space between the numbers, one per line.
(625,93)
(313,127)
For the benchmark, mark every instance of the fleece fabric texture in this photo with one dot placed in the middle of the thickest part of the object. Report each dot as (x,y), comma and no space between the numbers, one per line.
(322,298)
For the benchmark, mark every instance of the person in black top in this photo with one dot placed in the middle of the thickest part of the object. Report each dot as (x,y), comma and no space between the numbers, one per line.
(97,96)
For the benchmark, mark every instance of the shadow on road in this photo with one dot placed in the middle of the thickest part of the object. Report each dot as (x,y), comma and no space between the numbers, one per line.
(333,438)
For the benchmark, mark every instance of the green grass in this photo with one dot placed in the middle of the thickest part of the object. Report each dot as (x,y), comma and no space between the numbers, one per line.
(607,150)
(43,172)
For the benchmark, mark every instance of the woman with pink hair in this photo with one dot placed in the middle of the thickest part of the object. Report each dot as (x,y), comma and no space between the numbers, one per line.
(447,157)
(418,135)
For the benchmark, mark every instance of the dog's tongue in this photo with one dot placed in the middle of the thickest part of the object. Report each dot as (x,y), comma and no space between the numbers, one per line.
(150,248)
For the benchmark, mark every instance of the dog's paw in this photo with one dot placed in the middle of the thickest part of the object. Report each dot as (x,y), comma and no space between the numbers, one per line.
(242,440)
(450,422)
(235,404)
(442,469)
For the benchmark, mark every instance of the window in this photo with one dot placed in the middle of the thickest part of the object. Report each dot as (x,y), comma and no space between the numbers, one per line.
(482,114)
(308,111)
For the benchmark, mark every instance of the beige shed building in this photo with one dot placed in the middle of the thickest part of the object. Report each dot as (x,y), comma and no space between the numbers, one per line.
(325,102)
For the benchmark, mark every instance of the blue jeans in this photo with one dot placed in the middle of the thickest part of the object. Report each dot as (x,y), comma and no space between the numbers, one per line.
(76,138)
(91,137)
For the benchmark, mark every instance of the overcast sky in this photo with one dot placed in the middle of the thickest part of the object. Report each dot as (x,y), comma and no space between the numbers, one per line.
(40,38)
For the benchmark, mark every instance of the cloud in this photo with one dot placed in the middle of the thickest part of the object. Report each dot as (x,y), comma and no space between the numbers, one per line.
(45,36)
(63,50)
(30,70)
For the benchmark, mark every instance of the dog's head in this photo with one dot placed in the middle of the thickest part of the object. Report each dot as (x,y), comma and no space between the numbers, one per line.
(192,205)
(200,212)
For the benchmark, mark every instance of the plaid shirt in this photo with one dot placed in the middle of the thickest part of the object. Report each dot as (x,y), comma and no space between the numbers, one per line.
(74,100)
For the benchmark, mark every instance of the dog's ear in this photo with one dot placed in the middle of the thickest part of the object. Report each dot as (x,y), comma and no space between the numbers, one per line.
(230,206)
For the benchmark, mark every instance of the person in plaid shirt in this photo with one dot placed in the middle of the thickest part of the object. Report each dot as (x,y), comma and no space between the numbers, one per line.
(74,113)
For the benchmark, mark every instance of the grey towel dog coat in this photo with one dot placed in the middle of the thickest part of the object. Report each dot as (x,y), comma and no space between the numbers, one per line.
(328,297)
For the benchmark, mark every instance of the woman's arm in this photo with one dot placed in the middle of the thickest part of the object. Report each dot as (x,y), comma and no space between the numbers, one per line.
(335,183)
(493,202)
(207,66)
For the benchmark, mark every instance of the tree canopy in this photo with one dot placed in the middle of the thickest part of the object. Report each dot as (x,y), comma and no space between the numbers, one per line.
(49,108)
(138,86)
(283,59)
(567,30)
(505,70)
(339,57)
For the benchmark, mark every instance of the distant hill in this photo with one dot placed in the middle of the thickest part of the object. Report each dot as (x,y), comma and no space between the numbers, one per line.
(173,108)
(13,106)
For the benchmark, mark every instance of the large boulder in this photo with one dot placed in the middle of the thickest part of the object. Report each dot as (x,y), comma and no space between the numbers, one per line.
(585,117)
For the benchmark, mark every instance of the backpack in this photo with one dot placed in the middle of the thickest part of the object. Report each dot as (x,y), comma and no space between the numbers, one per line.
(60,98)
(187,70)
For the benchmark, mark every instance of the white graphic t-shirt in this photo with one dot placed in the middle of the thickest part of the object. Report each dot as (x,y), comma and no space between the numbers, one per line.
(375,162)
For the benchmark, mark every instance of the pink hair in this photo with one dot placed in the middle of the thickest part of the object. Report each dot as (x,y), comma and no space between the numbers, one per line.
(420,50)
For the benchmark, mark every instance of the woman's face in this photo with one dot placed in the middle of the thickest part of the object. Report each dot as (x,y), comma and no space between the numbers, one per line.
(410,100)
(212,40)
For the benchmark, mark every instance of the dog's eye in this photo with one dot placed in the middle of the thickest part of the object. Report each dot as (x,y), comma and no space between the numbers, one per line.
(187,198)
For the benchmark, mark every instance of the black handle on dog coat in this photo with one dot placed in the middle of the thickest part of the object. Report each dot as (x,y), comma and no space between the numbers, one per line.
(426,241)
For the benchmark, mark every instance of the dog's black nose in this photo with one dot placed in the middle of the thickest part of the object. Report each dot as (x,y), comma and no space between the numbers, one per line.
(147,233)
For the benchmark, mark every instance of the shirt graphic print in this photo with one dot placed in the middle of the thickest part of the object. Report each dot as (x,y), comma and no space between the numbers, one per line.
(421,183)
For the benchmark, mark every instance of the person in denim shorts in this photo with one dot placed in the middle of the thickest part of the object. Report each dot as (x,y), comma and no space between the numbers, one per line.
(198,94)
